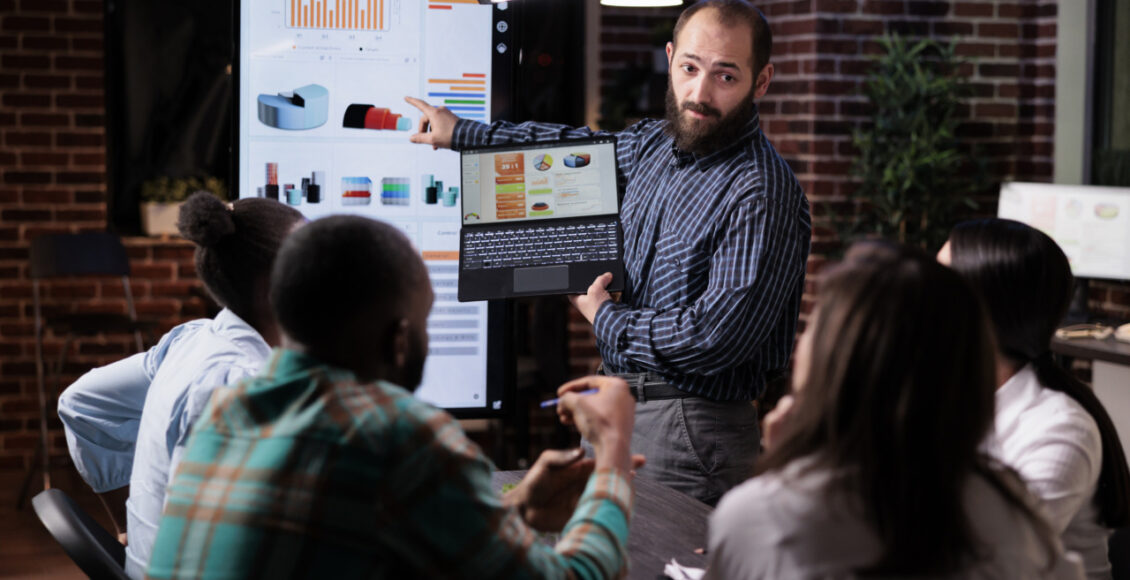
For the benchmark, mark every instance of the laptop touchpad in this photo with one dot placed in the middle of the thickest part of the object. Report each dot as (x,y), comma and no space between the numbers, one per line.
(541,278)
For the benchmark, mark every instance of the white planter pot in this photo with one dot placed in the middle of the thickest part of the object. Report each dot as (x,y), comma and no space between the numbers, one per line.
(159,219)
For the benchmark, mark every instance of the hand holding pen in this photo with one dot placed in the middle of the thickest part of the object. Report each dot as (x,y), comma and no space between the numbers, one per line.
(604,418)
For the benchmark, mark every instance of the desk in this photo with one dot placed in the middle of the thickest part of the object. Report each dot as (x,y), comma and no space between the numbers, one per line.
(1110,376)
(666,524)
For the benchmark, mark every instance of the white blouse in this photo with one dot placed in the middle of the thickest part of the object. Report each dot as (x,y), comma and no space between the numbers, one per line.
(783,525)
(1055,446)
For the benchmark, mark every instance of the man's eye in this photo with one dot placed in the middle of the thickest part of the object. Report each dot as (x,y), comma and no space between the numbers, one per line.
(728,78)
(688,68)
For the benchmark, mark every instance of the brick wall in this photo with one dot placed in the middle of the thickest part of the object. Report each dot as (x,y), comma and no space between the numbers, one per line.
(821,50)
(53,157)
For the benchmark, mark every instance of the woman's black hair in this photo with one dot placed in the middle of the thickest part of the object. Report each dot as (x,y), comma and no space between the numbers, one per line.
(1026,282)
(235,246)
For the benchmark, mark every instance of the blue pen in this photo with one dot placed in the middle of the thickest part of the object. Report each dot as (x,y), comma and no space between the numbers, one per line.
(553,402)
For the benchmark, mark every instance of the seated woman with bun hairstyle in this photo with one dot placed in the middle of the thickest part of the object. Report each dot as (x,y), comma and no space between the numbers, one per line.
(1049,426)
(127,422)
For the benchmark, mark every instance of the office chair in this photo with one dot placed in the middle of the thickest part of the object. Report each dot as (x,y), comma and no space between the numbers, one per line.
(97,553)
(66,255)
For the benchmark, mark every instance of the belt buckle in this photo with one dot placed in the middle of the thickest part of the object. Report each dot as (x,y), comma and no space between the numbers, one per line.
(640,379)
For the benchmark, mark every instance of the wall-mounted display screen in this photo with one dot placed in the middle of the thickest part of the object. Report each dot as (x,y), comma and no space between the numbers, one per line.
(323,126)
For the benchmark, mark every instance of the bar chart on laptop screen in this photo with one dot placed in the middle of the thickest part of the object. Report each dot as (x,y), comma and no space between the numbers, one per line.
(323,126)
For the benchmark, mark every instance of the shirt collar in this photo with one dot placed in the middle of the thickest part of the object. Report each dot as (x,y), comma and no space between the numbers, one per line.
(682,158)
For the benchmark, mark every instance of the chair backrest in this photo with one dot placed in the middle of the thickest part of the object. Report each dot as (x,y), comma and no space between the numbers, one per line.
(89,545)
(94,253)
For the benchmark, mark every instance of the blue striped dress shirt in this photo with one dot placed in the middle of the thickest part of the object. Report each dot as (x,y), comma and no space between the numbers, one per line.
(715,249)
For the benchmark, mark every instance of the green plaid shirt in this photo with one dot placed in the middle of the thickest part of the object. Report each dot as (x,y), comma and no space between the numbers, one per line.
(304,472)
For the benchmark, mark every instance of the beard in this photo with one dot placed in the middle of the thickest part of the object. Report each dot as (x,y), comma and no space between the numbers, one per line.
(705,136)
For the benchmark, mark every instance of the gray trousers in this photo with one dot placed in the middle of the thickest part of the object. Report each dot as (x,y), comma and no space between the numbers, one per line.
(697,446)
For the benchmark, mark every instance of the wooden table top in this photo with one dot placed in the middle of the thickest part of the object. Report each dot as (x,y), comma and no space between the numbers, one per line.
(1108,349)
(666,524)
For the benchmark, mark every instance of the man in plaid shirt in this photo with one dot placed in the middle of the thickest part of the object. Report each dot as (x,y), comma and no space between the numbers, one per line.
(325,465)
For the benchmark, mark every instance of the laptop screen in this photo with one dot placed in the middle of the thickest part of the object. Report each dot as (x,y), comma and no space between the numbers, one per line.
(537,181)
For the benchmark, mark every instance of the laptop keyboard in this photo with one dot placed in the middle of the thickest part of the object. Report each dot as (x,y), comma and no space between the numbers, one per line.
(539,246)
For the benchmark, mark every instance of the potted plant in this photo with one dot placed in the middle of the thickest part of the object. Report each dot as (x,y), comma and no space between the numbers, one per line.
(914,177)
(161,199)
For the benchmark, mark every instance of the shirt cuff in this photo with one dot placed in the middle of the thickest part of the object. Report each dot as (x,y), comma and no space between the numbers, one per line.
(611,485)
(610,325)
(468,133)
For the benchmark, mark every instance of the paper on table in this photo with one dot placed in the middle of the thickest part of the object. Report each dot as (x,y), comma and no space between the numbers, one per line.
(679,572)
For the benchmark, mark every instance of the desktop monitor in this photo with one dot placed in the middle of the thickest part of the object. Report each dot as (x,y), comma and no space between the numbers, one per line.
(322,125)
(1091,223)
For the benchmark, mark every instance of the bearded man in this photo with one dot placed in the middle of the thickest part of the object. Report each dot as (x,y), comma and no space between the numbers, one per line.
(716,237)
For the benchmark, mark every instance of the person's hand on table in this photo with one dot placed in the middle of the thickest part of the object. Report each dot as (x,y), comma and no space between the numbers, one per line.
(604,418)
(589,303)
(436,127)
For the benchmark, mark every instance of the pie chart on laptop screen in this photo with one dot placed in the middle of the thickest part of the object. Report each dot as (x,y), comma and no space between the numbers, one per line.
(543,162)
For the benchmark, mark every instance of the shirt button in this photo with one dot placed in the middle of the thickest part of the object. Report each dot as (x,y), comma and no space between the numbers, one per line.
(622,342)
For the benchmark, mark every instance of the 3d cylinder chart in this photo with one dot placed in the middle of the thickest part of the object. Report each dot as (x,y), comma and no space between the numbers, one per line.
(303,108)
(358,116)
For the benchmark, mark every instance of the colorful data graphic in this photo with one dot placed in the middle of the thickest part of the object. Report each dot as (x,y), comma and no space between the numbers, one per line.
(510,185)
(356,190)
(370,117)
(465,96)
(309,190)
(338,14)
(434,192)
(448,4)
(543,162)
(304,108)
(395,191)
(577,160)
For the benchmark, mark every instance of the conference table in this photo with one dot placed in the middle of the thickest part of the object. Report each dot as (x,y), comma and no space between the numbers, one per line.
(665,524)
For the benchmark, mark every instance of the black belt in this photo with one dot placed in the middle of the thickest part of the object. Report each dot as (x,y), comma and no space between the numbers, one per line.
(651,386)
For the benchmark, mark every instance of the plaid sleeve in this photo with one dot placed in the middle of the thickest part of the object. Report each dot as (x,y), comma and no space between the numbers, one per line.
(453,524)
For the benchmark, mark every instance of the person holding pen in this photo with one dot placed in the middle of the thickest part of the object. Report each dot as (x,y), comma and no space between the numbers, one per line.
(326,465)
(716,238)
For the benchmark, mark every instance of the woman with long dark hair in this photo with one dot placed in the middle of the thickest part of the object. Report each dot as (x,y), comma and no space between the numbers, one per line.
(127,422)
(875,468)
(1049,426)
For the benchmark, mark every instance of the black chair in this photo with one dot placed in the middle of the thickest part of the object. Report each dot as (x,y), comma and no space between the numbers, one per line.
(68,255)
(97,553)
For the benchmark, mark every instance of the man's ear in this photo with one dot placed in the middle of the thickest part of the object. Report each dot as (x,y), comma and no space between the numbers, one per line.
(670,53)
(399,343)
(763,79)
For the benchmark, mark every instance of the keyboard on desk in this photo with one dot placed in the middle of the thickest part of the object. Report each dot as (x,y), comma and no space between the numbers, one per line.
(540,245)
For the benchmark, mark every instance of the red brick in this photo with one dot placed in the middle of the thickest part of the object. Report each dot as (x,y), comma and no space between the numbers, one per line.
(44,43)
(80,177)
(87,44)
(92,120)
(45,120)
(928,8)
(21,138)
(27,100)
(24,62)
(88,82)
(9,81)
(78,25)
(838,6)
(79,140)
(59,197)
(55,6)
(88,7)
(26,24)
(81,215)
(82,63)
(883,7)
(26,177)
(30,159)
(76,101)
(973,9)
(998,30)
(88,159)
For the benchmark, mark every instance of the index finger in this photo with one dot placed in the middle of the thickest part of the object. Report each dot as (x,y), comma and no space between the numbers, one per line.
(419,104)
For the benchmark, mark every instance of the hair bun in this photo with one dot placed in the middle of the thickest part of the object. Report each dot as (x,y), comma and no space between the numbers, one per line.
(205,220)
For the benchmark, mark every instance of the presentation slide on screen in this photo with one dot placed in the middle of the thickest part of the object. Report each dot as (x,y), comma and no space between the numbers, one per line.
(557,182)
(1090,223)
(323,126)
